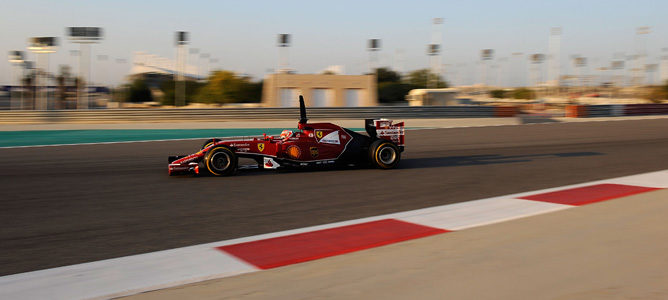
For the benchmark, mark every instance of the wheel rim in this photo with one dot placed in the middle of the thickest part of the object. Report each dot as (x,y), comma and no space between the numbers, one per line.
(220,161)
(387,155)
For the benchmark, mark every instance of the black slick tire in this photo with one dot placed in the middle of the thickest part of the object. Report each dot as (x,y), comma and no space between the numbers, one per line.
(220,161)
(209,142)
(384,154)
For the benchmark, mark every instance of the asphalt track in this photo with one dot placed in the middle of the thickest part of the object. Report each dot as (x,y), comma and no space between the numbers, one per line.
(72,204)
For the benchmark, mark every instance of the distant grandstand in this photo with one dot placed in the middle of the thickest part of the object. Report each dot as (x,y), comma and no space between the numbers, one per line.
(155,69)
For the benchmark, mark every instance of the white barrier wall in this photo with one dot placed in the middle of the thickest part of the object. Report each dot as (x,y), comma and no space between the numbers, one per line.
(322,98)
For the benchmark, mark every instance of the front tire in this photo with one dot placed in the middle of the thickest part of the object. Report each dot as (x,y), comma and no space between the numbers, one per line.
(384,154)
(209,142)
(221,161)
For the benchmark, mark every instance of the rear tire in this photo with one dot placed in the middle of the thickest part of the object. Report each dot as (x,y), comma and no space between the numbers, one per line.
(220,161)
(384,154)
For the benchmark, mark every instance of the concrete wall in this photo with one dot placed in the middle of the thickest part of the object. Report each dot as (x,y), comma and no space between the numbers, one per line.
(338,85)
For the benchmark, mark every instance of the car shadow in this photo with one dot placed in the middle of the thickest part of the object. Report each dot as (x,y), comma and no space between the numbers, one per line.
(471,160)
(430,162)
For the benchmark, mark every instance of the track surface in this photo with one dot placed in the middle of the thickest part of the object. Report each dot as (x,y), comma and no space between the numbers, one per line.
(73,204)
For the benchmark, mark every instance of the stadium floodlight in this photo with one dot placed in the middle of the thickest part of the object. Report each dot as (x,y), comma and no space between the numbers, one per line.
(537,58)
(487,54)
(617,65)
(42,46)
(643,30)
(640,41)
(579,62)
(284,40)
(651,67)
(16,59)
(84,36)
(181,40)
(433,49)
(373,46)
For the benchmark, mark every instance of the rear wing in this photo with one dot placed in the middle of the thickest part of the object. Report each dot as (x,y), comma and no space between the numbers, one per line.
(384,129)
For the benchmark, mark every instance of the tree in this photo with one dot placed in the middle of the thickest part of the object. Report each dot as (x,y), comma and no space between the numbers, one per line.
(393,91)
(523,93)
(497,93)
(138,91)
(227,87)
(387,75)
(658,93)
(168,90)
(424,77)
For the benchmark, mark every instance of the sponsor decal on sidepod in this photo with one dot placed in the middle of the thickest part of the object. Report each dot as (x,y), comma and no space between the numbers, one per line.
(331,138)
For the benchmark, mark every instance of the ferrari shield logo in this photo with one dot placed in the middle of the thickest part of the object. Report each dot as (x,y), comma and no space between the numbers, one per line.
(260,147)
(318,134)
(314,152)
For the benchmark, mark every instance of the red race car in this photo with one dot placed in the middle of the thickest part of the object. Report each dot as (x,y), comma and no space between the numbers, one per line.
(313,145)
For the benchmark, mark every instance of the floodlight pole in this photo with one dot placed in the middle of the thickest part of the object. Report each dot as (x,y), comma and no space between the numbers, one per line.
(16,60)
(84,36)
(435,51)
(195,51)
(486,54)
(181,54)
(205,69)
(663,76)
(12,76)
(373,47)
(554,63)
(640,58)
(42,45)
(83,97)
(41,83)
(283,44)
(37,95)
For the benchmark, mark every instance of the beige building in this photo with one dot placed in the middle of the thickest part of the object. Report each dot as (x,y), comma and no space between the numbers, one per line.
(283,90)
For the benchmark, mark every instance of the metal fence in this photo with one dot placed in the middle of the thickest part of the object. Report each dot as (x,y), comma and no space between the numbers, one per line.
(223,114)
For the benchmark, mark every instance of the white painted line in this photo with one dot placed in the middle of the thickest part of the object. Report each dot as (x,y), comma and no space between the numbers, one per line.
(655,179)
(123,276)
(144,272)
(481,212)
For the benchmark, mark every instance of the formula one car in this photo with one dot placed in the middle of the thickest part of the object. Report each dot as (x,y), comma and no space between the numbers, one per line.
(313,145)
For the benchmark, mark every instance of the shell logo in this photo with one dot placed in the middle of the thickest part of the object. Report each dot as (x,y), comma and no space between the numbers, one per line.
(294,152)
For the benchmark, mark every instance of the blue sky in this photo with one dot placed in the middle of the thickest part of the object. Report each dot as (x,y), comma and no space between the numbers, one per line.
(242,34)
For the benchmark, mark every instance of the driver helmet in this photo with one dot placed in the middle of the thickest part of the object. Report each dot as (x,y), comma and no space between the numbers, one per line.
(286,134)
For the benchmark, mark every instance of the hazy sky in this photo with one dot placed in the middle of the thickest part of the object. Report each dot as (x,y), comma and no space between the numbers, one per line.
(242,34)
